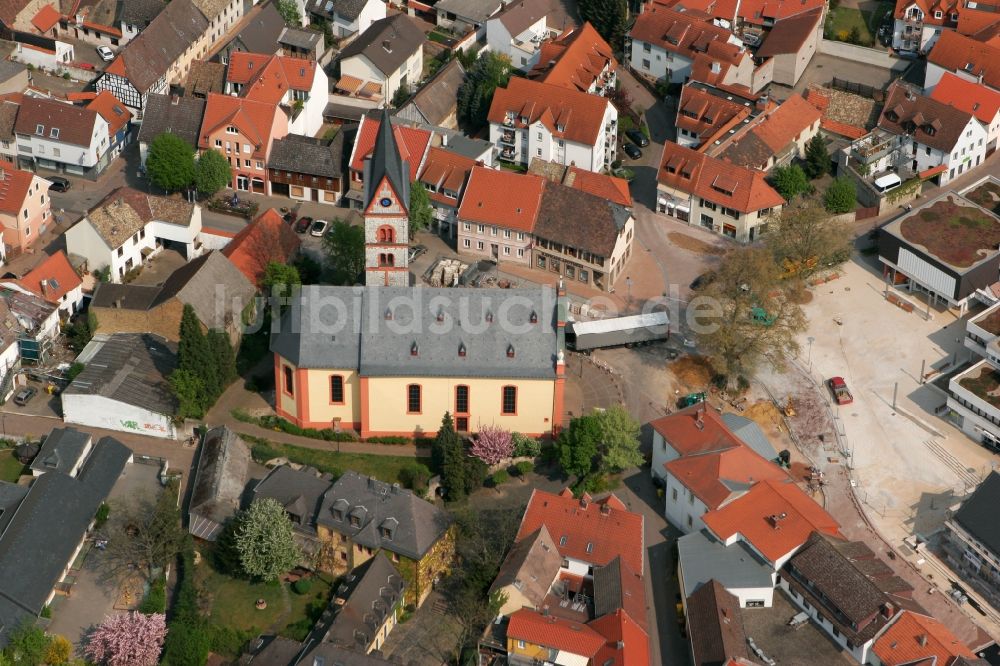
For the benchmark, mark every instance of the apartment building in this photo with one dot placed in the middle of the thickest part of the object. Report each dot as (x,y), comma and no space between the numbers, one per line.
(244,131)
(25,208)
(61,137)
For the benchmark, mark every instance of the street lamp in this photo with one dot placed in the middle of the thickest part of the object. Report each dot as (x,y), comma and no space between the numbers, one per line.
(628,289)
(810,340)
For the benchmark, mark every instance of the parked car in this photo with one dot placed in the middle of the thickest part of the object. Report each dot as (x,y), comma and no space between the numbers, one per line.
(24,396)
(416,251)
(319,227)
(303,224)
(631,150)
(838,387)
(59,184)
(637,137)
(107,55)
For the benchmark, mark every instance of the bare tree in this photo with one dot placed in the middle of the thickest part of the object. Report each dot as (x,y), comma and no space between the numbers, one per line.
(142,536)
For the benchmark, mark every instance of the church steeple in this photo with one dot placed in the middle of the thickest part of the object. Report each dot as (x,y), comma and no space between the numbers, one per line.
(386,163)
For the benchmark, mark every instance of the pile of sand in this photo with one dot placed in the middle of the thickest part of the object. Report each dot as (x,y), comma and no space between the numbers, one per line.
(764,413)
(695,245)
(692,371)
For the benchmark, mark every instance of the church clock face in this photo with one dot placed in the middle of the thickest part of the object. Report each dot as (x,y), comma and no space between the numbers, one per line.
(385,202)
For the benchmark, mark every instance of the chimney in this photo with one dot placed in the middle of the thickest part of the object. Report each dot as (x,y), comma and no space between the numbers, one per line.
(699,414)
(45,287)
(583,502)
(605,509)
(444,140)
(888,610)
(175,99)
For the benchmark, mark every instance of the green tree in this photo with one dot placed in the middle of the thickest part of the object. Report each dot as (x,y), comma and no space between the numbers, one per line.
(804,240)
(421,212)
(817,158)
(279,279)
(448,454)
(27,645)
(840,197)
(579,445)
(854,36)
(402,94)
(790,181)
(59,651)
(265,541)
(489,72)
(225,555)
(170,163)
(289,11)
(754,321)
(224,357)
(81,331)
(345,248)
(619,443)
(189,390)
(206,365)
(609,18)
(212,172)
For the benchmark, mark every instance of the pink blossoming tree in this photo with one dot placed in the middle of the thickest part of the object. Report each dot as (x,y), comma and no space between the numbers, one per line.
(128,639)
(493,444)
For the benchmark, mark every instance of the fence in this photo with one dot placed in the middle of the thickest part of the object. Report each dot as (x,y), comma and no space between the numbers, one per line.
(861,89)
(866,212)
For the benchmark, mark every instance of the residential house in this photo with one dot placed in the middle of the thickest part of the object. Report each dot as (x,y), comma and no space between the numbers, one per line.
(260,35)
(728,199)
(579,59)
(714,626)
(593,612)
(219,482)
(170,114)
(118,118)
(366,606)
(444,176)
(246,130)
(25,208)
(135,16)
(204,78)
(301,43)
(970,97)
(972,543)
(919,23)
(463,16)
(308,169)
(847,591)
(297,85)
(666,44)
(500,208)
(94,22)
(124,385)
(64,450)
(127,227)
(530,120)
(47,524)
(702,559)
(351,520)
(963,56)
(384,58)
(916,637)
(56,281)
(520,28)
(791,44)
(217,291)
(33,320)
(706,114)
(932,134)
(161,55)
(266,239)
(347,18)
(14,77)
(62,137)
(412,142)
(612,188)
(436,103)
(8,142)
(11,336)
(774,138)
(486,378)
(528,572)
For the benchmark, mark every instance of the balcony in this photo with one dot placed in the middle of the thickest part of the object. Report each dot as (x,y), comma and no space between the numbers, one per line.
(507,153)
(508,137)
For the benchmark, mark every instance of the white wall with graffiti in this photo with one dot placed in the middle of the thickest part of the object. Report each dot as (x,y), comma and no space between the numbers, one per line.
(100,412)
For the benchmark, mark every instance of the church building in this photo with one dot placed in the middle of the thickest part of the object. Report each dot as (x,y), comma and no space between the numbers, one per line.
(390,359)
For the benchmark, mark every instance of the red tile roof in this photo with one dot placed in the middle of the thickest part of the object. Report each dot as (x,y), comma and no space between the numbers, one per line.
(112,110)
(599,184)
(977,22)
(685,33)
(928,7)
(504,198)
(586,530)
(554,632)
(958,53)
(14,186)
(579,114)
(411,141)
(769,134)
(914,637)
(255,120)
(726,184)
(264,240)
(927,121)
(579,57)
(709,116)
(712,477)
(682,432)
(753,517)
(761,11)
(968,96)
(46,17)
(621,629)
(444,169)
(53,278)
(269,78)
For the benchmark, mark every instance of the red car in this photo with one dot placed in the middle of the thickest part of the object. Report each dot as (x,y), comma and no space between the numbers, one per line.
(838,387)
(303,224)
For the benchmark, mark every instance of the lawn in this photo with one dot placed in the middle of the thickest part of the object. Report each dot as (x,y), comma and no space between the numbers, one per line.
(384,468)
(959,235)
(984,385)
(844,19)
(233,603)
(10,467)
(986,195)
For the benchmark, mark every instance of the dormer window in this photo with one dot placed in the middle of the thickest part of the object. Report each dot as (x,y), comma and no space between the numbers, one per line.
(440,314)
(929,130)
(534,317)
(489,317)
(938,14)
(355,521)
(461,349)
(414,349)
(54,133)
(891,116)
(560,128)
(510,351)
(388,314)
(338,515)
(40,130)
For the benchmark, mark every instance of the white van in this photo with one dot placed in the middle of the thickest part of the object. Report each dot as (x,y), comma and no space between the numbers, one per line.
(890,181)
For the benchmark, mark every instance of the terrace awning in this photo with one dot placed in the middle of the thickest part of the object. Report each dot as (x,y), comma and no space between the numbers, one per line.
(371,89)
(349,84)
(930,173)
